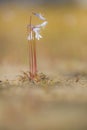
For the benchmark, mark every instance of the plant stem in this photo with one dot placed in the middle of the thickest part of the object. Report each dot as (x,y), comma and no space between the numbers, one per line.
(29,58)
(32,58)
(35,58)
(30,50)
(32,53)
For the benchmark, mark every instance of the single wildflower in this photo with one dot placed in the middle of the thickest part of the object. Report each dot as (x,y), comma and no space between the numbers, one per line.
(37,33)
(34,33)
(36,29)
(42,25)
(39,16)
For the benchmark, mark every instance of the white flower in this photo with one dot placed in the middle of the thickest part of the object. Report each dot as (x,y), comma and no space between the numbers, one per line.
(36,30)
(30,37)
(37,33)
(42,25)
(39,16)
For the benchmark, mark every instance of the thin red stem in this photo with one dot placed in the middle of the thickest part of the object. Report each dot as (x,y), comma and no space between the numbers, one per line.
(29,58)
(30,50)
(35,58)
(32,68)
(32,54)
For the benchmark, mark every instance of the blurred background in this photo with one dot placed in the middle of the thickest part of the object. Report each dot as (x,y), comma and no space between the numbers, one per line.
(64,43)
(62,52)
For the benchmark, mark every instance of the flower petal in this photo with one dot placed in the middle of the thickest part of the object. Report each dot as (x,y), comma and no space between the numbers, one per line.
(41,25)
(44,24)
(37,35)
(30,37)
(39,16)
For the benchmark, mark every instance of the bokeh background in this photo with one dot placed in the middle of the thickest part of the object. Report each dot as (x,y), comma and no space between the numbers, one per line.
(57,104)
(64,43)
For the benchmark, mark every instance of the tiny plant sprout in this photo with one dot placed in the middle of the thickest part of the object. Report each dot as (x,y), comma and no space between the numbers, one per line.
(33,34)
